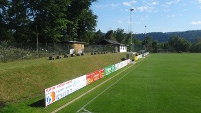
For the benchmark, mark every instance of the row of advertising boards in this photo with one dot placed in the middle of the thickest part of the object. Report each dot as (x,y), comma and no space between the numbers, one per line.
(59,91)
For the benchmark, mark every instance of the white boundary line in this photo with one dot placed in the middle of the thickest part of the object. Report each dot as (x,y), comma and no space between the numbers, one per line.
(106,88)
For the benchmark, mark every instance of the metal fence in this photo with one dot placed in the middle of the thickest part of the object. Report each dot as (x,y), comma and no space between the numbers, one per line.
(24,51)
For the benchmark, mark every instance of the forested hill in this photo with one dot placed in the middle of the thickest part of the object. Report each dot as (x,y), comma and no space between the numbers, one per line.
(164,37)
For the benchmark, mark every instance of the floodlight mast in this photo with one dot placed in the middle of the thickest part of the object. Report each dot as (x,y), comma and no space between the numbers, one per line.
(131,29)
(145,30)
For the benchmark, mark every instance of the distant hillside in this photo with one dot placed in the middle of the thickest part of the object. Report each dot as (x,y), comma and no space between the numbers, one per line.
(164,37)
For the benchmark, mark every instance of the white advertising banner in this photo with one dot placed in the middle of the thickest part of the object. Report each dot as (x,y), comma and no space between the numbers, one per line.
(122,64)
(139,56)
(79,83)
(117,66)
(59,91)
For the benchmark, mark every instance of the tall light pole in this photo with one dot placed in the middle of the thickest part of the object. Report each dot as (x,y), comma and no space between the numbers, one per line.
(145,38)
(131,29)
(145,30)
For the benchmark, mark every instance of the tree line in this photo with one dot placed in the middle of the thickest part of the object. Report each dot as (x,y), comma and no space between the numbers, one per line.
(50,21)
(173,43)
(190,35)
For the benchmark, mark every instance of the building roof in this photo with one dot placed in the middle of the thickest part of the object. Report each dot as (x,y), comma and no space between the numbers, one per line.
(73,42)
(105,42)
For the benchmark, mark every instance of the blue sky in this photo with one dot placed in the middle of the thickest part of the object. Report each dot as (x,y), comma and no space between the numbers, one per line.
(157,15)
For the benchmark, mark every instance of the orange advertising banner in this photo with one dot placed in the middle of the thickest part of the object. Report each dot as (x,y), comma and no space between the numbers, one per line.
(94,76)
(90,78)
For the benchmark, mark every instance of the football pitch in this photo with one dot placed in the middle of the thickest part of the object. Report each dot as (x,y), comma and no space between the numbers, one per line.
(160,83)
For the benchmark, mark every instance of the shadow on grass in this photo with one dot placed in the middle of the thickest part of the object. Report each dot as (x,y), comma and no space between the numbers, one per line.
(2,104)
(40,103)
(122,59)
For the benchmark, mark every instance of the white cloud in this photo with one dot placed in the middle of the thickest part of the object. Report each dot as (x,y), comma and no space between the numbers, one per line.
(172,2)
(199,1)
(133,1)
(106,6)
(127,3)
(145,8)
(196,22)
(114,5)
(169,3)
(166,10)
(119,21)
(171,16)
(154,3)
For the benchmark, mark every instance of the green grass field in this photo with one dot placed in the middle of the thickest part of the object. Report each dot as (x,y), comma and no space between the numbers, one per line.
(22,83)
(161,83)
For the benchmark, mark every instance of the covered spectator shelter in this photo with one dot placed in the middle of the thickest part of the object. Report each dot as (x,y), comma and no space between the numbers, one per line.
(113,46)
(74,47)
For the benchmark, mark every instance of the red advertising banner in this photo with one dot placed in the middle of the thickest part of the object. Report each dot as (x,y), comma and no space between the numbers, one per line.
(99,73)
(90,78)
(94,76)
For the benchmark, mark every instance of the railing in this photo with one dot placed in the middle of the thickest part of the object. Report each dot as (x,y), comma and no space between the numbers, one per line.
(24,51)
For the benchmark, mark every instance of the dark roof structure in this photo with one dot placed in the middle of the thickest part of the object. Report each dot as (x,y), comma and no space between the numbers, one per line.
(106,42)
(73,42)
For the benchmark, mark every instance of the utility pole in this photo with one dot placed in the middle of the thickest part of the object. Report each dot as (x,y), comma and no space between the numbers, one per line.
(131,30)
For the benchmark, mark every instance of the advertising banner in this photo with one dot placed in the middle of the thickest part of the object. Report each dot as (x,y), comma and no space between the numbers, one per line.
(139,56)
(128,61)
(122,64)
(59,91)
(109,69)
(54,93)
(90,78)
(79,83)
(117,66)
(100,73)
(135,58)
(94,76)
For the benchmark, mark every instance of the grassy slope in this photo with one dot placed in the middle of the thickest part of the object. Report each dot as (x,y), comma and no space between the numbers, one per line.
(24,79)
(163,83)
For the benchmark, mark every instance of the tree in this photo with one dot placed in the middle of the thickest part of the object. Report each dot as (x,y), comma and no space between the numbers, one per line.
(49,19)
(120,35)
(137,44)
(147,43)
(178,44)
(155,46)
(15,19)
(83,20)
(110,35)
(5,32)
(86,24)
(196,47)
(46,20)
(98,36)
(127,38)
